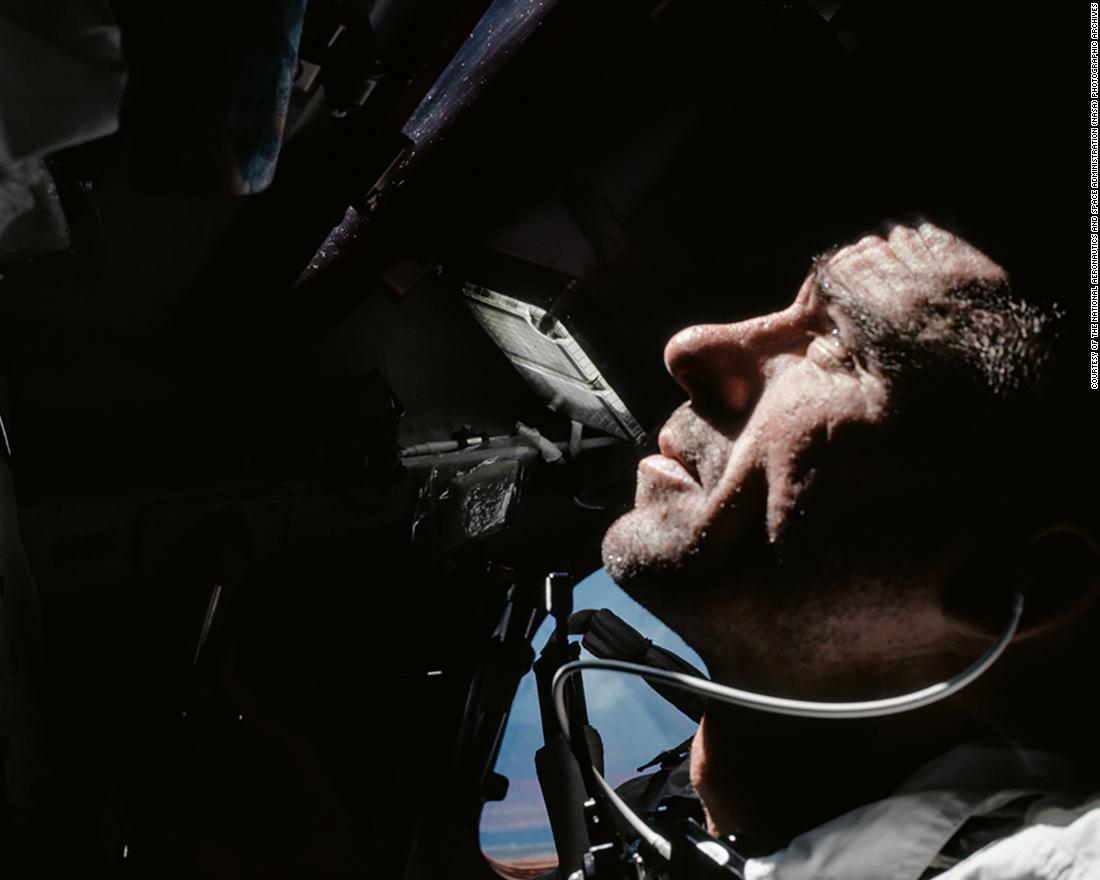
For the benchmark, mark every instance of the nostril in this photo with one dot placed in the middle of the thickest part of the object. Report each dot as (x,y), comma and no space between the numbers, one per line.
(690,382)
(705,400)
(705,395)
(713,387)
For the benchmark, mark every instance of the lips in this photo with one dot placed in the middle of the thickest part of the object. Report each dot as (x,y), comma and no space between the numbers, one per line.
(665,470)
(670,453)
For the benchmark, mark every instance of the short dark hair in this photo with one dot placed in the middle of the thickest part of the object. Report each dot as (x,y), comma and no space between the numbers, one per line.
(981,371)
(997,348)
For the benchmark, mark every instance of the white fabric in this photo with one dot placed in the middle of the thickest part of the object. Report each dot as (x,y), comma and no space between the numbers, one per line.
(61,75)
(32,221)
(1041,852)
(900,837)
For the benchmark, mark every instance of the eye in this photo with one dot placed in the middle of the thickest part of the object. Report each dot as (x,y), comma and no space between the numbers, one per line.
(829,350)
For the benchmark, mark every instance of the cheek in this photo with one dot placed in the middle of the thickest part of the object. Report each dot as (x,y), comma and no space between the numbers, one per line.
(789,470)
(804,436)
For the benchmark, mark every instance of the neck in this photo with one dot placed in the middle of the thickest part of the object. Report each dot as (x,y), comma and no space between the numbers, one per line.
(767,778)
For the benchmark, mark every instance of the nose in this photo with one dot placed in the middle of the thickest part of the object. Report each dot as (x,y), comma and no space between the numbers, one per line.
(725,365)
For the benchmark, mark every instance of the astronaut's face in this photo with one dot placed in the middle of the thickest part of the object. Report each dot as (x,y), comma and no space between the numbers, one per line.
(776,455)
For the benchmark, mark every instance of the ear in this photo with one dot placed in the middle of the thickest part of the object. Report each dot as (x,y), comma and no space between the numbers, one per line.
(1062,567)
(1058,572)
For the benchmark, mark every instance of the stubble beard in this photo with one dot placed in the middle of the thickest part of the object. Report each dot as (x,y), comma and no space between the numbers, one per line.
(716,577)
(677,565)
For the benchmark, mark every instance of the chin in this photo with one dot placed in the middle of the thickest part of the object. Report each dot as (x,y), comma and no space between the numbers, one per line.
(669,557)
(657,572)
(641,543)
(658,565)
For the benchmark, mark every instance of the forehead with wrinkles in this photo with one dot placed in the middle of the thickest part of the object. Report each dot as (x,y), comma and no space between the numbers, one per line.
(920,300)
(911,267)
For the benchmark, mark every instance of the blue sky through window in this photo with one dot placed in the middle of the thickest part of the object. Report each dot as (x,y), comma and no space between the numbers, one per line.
(634,723)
